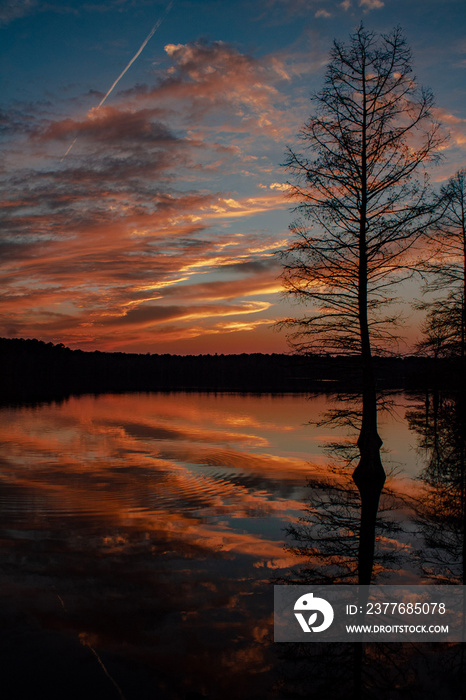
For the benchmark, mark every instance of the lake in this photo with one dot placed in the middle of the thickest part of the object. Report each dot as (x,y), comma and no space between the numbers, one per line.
(142,533)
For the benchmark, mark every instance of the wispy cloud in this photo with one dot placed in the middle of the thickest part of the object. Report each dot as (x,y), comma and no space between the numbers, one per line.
(96,249)
(13,9)
(371,4)
(323,13)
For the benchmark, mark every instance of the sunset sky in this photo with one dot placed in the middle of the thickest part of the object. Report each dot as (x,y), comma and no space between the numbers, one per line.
(151,223)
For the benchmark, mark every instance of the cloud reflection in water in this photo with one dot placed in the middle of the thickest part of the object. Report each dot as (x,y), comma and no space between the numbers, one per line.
(149,526)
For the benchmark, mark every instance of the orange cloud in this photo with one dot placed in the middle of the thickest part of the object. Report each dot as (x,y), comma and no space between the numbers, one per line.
(456,126)
(133,217)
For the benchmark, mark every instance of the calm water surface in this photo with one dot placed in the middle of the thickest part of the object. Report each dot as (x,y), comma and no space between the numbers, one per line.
(141,535)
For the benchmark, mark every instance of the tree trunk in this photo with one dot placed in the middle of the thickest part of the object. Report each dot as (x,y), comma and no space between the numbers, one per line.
(369,475)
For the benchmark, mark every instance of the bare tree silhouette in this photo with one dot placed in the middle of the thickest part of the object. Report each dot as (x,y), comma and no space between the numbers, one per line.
(445,327)
(361,210)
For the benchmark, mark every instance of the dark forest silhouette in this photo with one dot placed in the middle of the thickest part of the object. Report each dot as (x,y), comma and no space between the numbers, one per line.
(32,369)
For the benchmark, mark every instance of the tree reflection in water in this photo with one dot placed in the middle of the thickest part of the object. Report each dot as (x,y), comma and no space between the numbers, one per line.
(330,535)
(330,532)
(441,426)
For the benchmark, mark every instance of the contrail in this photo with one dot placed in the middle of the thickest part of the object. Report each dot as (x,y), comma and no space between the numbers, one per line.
(136,55)
(69,149)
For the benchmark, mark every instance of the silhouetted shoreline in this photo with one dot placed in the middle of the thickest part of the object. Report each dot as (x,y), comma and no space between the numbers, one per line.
(33,369)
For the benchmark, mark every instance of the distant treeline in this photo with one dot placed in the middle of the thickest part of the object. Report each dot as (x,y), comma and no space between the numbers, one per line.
(34,369)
